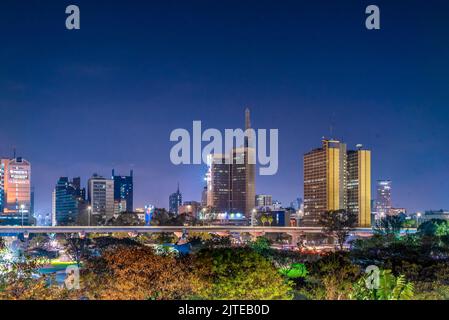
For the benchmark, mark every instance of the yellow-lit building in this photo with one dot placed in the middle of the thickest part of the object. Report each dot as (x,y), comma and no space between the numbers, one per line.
(359,185)
(337,179)
(324,180)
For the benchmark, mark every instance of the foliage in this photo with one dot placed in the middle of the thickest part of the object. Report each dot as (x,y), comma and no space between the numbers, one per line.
(338,224)
(261,245)
(102,243)
(332,276)
(409,223)
(294,271)
(434,228)
(389,288)
(389,225)
(18,281)
(165,237)
(76,248)
(162,217)
(217,242)
(136,273)
(240,274)
(126,219)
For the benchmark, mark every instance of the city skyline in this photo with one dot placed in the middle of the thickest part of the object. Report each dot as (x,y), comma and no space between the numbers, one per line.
(82,104)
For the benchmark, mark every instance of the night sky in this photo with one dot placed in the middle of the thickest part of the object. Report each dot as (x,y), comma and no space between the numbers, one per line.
(108,95)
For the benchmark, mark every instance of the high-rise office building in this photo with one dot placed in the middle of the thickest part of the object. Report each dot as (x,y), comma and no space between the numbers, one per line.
(324,180)
(383,198)
(67,199)
(204,197)
(264,200)
(231,178)
(101,196)
(219,183)
(15,194)
(175,201)
(359,185)
(123,192)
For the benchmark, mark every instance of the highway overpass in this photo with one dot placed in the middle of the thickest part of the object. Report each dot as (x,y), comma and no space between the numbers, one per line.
(160,229)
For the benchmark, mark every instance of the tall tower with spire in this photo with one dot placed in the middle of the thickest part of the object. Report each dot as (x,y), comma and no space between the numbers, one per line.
(175,201)
(231,186)
(243,197)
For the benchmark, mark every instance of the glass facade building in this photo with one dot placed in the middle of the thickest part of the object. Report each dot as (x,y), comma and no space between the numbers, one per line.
(175,201)
(68,196)
(15,191)
(123,191)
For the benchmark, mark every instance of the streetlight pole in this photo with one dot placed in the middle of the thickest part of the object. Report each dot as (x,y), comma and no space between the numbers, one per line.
(89,212)
(418,215)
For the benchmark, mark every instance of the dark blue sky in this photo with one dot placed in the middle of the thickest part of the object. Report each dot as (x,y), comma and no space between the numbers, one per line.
(108,96)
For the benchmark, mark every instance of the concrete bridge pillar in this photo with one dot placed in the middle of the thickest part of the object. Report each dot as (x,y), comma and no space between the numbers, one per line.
(296,238)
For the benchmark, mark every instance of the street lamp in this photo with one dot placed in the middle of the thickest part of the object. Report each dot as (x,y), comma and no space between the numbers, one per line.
(89,212)
(418,215)
(253,217)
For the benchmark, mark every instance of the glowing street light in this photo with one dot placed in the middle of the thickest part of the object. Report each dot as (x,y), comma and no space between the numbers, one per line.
(89,213)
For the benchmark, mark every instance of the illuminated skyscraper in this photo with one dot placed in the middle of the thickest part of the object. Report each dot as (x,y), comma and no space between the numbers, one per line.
(231,178)
(123,191)
(15,191)
(219,183)
(67,196)
(383,198)
(175,201)
(359,185)
(101,197)
(325,182)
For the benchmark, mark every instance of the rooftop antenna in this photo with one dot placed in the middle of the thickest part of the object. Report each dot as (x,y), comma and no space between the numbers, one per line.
(331,127)
(14,152)
(247,127)
(247,119)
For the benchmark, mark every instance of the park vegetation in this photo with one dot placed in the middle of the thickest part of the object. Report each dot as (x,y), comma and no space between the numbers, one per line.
(121,267)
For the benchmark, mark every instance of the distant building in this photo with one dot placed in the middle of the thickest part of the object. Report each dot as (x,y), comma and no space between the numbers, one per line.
(434,214)
(101,197)
(175,201)
(191,208)
(383,198)
(264,200)
(15,192)
(359,185)
(397,211)
(67,197)
(204,197)
(277,205)
(120,207)
(324,180)
(123,191)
